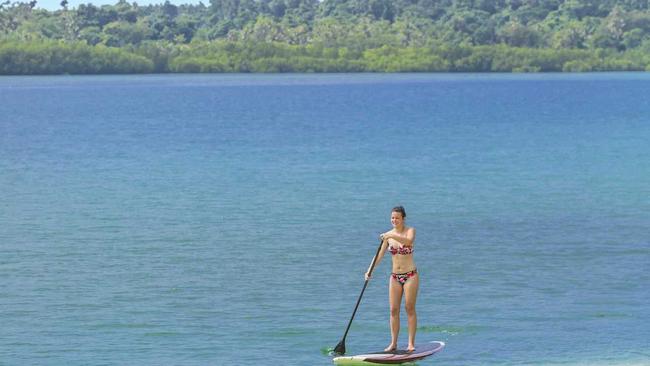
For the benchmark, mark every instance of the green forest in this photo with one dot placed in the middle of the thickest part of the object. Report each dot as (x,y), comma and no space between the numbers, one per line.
(327,36)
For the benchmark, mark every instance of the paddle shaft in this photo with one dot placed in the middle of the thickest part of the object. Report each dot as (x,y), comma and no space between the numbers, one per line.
(372,266)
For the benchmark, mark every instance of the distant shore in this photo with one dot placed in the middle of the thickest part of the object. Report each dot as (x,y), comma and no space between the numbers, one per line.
(52,57)
(322,36)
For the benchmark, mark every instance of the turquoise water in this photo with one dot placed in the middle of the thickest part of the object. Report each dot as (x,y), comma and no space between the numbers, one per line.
(228,219)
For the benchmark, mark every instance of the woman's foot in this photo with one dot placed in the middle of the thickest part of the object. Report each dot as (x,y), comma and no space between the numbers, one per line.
(410,348)
(391,347)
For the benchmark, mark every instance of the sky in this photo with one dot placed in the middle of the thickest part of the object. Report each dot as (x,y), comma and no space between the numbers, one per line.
(55,4)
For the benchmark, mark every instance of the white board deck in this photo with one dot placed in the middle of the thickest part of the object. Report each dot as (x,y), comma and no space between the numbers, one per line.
(396,357)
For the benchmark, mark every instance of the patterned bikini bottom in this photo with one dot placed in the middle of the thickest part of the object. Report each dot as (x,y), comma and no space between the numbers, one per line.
(403,277)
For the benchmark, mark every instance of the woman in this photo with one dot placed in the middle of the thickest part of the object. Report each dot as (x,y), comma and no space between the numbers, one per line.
(404,279)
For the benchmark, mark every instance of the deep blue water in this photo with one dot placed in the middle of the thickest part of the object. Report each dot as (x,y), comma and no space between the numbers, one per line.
(228,219)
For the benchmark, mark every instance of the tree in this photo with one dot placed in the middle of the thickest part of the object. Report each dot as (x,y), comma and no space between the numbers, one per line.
(518,35)
(92,35)
(126,12)
(121,33)
(633,38)
(239,12)
(277,8)
(12,15)
(573,35)
(87,15)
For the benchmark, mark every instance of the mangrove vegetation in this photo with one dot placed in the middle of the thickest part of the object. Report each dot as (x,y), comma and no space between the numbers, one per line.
(327,36)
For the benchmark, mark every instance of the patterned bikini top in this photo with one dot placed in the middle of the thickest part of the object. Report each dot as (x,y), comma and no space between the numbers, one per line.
(400,250)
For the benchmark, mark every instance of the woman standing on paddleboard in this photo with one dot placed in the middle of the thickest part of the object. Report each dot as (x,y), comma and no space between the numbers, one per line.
(404,279)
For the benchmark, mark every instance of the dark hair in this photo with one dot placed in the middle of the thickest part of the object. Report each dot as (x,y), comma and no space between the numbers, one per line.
(399,209)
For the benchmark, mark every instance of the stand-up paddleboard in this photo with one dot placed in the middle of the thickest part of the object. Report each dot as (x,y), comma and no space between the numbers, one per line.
(395,357)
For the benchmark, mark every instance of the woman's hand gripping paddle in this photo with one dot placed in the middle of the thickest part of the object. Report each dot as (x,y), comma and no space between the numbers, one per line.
(340,348)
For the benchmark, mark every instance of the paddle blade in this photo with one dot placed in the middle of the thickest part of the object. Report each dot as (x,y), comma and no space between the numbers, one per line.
(340,348)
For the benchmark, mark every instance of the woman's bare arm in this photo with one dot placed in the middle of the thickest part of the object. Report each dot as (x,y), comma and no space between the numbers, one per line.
(380,255)
(405,239)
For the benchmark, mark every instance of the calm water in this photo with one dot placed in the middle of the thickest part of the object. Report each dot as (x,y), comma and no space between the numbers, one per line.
(228,219)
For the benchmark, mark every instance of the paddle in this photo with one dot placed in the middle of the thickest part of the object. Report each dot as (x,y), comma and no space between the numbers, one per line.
(340,348)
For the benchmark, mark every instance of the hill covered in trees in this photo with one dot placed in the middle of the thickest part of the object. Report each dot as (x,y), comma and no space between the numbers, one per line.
(327,36)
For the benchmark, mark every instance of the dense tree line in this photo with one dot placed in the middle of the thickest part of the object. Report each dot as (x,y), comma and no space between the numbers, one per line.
(327,36)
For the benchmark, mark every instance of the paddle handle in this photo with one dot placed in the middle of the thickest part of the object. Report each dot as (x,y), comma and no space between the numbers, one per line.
(374,260)
(365,284)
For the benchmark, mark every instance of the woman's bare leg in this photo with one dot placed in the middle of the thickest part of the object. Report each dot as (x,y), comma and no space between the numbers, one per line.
(410,296)
(394,300)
